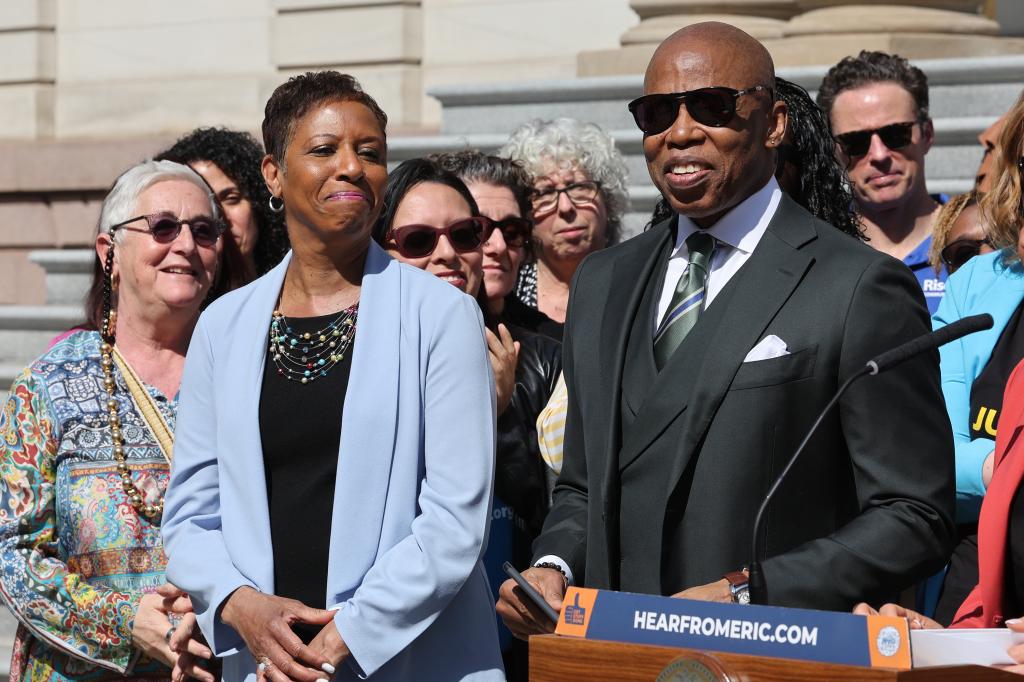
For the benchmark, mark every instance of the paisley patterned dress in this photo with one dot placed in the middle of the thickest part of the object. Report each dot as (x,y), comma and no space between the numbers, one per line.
(75,557)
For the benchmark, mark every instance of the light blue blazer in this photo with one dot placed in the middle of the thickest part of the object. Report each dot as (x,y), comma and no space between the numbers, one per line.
(983,285)
(414,482)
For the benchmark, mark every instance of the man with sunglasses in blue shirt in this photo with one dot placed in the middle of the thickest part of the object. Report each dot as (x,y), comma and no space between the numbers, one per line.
(878,106)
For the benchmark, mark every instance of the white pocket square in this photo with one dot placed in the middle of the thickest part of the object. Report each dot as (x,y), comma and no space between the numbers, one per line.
(767,348)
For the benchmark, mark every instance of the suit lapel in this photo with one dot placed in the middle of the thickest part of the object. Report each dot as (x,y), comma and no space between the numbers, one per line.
(631,275)
(699,373)
(368,426)
(639,368)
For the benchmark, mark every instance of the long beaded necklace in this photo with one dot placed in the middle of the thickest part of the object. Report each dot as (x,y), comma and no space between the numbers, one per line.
(151,511)
(308,356)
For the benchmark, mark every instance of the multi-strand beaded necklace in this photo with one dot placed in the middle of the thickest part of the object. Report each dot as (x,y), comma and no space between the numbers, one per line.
(308,356)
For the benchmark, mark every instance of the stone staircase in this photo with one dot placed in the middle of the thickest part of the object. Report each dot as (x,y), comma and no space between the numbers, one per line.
(967,95)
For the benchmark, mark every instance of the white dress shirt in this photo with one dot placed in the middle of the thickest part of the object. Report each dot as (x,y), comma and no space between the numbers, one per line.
(738,233)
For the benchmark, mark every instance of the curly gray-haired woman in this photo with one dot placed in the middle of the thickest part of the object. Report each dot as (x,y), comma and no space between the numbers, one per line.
(579,198)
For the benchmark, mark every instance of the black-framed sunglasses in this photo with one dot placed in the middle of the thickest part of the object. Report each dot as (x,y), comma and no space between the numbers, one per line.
(165,228)
(579,193)
(417,241)
(515,230)
(959,252)
(894,136)
(713,107)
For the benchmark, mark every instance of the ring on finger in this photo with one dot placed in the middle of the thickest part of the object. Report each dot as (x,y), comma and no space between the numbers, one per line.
(169,634)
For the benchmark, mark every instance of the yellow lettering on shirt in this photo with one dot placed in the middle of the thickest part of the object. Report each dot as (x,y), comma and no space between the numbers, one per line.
(986,421)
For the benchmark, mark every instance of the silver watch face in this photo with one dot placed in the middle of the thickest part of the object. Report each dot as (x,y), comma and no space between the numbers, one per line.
(742,595)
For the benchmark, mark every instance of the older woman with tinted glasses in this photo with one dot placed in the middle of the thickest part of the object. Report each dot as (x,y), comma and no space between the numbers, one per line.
(331,490)
(579,182)
(975,369)
(86,444)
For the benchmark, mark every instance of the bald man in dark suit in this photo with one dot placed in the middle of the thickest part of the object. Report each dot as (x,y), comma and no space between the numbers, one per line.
(697,356)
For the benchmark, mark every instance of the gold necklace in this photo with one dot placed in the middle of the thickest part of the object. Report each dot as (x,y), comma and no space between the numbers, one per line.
(151,511)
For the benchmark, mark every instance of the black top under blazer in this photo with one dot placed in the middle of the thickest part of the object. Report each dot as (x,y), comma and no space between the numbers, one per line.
(663,472)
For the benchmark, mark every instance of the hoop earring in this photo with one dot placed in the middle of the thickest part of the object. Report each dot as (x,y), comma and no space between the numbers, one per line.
(278,207)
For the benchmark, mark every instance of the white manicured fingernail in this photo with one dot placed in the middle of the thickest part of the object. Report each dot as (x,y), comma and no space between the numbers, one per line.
(322,679)
(327,668)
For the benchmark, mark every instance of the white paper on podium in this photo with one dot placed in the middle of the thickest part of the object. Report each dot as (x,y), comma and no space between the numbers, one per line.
(962,647)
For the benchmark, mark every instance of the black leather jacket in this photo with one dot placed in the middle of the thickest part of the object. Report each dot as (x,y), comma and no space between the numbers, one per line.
(522,479)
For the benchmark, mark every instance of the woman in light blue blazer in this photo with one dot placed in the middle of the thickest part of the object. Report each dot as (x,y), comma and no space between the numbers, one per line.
(975,368)
(334,450)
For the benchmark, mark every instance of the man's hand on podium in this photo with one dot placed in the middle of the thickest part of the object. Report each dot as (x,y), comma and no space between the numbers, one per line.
(520,614)
(717,591)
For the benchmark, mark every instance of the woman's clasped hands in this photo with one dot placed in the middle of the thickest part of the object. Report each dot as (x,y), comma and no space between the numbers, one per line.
(165,630)
(265,622)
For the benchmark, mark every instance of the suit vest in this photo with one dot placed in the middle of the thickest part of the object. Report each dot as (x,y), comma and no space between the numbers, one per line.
(650,505)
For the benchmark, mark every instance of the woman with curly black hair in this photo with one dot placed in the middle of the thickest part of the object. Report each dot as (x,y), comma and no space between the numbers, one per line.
(806,167)
(230,161)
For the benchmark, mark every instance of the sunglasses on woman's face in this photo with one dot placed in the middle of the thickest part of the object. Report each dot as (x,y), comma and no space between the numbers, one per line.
(165,228)
(961,251)
(514,230)
(417,241)
(894,136)
(712,107)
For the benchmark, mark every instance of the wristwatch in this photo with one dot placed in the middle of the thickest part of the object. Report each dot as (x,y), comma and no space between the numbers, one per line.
(739,585)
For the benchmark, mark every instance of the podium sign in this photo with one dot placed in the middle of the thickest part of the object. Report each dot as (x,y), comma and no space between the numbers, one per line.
(801,634)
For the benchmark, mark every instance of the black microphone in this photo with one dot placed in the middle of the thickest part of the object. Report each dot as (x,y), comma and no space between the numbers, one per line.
(951,332)
(939,337)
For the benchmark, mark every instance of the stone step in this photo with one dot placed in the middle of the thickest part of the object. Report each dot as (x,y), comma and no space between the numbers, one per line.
(8,628)
(26,331)
(966,96)
(985,86)
(68,273)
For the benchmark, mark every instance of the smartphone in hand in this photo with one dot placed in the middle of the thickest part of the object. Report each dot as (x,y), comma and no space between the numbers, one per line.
(531,592)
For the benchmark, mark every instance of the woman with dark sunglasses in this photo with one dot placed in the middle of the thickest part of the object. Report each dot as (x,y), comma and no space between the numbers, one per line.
(503,194)
(424,198)
(331,491)
(975,369)
(959,233)
(86,442)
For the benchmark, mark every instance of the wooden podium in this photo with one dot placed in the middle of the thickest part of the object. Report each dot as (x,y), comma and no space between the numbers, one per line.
(554,658)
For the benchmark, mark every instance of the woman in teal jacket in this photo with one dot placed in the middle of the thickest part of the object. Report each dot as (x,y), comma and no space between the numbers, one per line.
(975,368)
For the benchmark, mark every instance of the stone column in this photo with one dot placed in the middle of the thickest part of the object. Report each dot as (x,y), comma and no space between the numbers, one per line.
(28,53)
(380,42)
(827,30)
(806,32)
(763,19)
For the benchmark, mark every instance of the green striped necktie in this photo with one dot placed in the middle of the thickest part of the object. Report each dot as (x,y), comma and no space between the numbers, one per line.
(687,300)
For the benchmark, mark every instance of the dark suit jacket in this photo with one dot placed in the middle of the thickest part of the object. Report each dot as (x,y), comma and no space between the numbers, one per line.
(663,472)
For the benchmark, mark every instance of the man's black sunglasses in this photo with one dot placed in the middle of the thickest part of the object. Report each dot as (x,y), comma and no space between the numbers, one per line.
(712,107)
(894,136)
